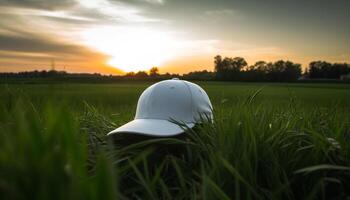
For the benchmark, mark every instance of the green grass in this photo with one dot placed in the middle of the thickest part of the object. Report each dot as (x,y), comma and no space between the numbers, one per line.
(290,141)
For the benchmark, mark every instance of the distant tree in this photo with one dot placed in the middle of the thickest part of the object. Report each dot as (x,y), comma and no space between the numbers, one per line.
(238,63)
(283,71)
(339,69)
(325,70)
(166,75)
(256,72)
(130,74)
(228,68)
(319,69)
(236,66)
(219,68)
(199,75)
(260,66)
(292,71)
(154,71)
(278,71)
(141,74)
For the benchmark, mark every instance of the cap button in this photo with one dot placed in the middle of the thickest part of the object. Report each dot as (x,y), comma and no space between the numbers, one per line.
(175,79)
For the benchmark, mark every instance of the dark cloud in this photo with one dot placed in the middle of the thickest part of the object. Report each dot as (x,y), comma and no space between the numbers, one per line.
(9,55)
(26,46)
(39,4)
(32,44)
(23,52)
(293,24)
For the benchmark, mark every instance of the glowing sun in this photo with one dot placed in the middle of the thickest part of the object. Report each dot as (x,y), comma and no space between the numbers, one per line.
(130,48)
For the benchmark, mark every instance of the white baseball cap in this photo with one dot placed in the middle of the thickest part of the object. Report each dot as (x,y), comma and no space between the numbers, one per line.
(166,102)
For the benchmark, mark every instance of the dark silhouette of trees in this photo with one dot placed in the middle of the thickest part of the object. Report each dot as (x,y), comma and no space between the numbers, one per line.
(219,68)
(225,69)
(35,74)
(339,69)
(325,70)
(141,74)
(236,69)
(130,74)
(281,71)
(200,75)
(154,71)
(257,72)
(319,69)
(228,68)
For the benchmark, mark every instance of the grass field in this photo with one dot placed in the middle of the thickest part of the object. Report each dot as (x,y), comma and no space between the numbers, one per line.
(269,141)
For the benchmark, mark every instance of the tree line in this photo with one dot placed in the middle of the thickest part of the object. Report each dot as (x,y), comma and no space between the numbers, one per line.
(225,69)
(326,70)
(237,69)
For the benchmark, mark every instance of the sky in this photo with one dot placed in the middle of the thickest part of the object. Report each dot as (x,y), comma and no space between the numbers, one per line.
(177,36)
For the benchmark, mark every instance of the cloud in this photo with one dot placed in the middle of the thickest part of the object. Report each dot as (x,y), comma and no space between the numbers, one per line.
(113,10)
(19,52)
(154,1)
(32,34)
(77,11)
(65,15)
(222,15)
(219,12)
(34,44)
(9,55)
(39,4)
(24,43)
(63,26)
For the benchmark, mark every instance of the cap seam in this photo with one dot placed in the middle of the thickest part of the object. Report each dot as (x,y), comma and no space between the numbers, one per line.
(151,93)
(192,103)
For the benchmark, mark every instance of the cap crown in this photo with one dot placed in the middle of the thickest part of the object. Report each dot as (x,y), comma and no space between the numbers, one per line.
(174,100)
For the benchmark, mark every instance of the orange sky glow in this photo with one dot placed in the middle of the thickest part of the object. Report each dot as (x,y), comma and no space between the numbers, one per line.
(119,36)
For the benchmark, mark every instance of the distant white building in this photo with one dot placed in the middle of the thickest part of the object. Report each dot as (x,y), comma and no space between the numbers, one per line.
(345,77)
(303,77)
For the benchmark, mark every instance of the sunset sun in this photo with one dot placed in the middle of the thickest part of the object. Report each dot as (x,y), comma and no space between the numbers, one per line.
(130,48)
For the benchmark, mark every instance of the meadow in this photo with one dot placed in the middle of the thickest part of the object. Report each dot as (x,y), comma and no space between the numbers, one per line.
(268,141)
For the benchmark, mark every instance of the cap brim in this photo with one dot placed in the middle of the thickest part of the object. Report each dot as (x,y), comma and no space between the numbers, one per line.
(152,127)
